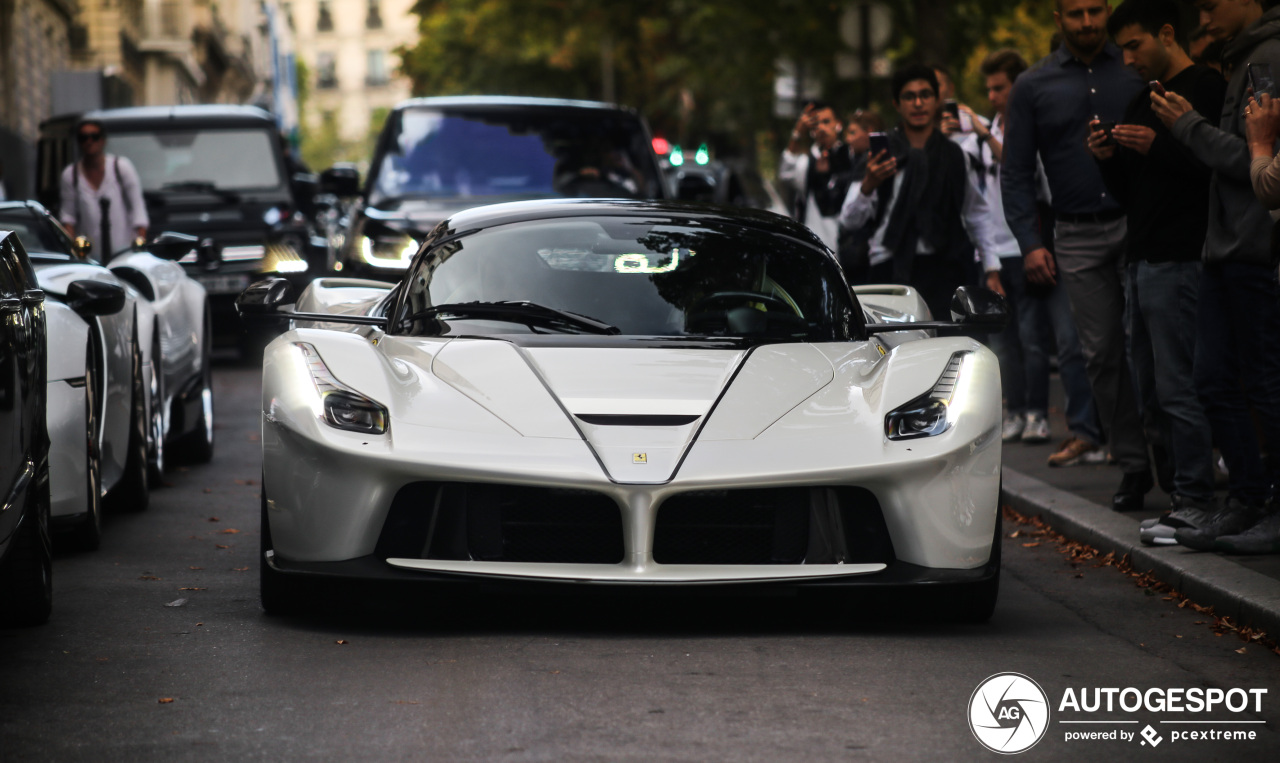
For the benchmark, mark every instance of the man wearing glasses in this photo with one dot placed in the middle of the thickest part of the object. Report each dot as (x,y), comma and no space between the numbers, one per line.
(102,195)
(918,205)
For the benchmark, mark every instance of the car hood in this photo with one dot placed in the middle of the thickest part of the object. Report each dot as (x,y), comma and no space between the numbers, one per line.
(416,217)
(639,409)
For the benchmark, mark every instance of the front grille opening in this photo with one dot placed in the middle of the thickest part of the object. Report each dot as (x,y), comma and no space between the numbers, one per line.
(502,523)
(799,525)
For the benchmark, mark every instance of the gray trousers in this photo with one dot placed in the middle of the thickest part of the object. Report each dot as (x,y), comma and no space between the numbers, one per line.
(1090,259)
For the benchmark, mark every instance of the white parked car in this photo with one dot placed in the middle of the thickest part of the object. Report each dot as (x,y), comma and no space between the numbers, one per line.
(628,393)
(128,370)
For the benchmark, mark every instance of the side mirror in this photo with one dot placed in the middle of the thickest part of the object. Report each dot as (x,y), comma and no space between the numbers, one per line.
(265,298)
(980,309)
(82,247)
(173,246)
(695,187)
(342,182)
(93,298)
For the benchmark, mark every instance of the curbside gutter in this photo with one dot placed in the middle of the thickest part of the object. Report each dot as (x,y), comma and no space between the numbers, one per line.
(1249,598)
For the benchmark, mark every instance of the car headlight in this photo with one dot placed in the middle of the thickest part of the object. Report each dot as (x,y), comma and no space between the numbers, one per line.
(340,406)
(392,252)
(929,414)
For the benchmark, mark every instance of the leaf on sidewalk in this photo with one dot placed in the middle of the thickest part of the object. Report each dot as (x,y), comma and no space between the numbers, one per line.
(1031,545)
(149,577)
(176,603)
(246,482)
(219,545)
(342,642)
(228,531)
(166,700)
(192,588)
(1240,650)
(240,569)
(214,519)
(195,568)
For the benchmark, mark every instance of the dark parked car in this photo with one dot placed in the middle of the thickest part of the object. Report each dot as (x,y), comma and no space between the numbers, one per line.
(26,558)
(219,173)
(439,156)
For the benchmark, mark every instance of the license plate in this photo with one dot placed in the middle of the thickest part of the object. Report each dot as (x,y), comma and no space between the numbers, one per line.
(220,283)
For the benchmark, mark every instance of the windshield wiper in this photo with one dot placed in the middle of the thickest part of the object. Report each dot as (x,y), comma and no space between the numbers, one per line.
(525,312)
(201,186)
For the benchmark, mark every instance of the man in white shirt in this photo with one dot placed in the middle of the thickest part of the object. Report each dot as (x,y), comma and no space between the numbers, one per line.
(810,171)
(102,195)
(921,202)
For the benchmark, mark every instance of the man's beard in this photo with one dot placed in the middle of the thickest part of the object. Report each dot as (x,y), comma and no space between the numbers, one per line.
(1074,39)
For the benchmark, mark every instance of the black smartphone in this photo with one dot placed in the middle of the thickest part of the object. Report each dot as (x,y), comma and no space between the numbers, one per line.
(1157,88)
(952,108)
(879,142)
(1261,81)
(1107,127)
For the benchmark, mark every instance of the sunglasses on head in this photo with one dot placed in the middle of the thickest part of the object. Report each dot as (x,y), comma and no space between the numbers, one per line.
(85,137)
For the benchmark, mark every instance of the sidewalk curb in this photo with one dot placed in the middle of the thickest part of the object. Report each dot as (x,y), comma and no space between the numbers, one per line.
(1249,598)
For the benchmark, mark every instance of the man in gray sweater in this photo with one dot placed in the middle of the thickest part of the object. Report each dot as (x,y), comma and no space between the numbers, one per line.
(1237,362)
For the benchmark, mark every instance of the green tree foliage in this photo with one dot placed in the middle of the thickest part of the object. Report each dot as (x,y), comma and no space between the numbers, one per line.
(694,68)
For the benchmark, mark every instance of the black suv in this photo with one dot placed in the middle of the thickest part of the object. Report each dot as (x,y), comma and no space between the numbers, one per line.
(219,173)
(439,156)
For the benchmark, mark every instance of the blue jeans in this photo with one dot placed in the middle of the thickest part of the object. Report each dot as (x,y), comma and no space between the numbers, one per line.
(1041,317)
(1162,333)
(1237,366)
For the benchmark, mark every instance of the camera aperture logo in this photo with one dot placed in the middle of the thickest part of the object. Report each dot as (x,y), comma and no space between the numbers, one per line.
(1008,713)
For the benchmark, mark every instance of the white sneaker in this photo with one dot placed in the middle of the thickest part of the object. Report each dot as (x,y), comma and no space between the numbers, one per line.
(1013,427)
(1037,428)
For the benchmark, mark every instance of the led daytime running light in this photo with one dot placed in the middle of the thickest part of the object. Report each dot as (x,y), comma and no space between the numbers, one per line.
(341,406)
(929,414)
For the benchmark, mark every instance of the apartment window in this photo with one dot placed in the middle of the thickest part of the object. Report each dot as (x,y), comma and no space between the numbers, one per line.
(324,22)
(373,19)
(326,71)
(376,73)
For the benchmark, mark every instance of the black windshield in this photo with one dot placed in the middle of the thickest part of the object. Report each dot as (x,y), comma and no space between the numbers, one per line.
(514,153)
(647,277)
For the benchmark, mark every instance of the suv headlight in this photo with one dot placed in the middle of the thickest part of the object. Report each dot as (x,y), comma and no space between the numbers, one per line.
(929,414)
(340,406)
(388,252)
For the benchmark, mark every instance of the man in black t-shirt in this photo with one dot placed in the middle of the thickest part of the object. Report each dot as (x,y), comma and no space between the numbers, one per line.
(1165,192)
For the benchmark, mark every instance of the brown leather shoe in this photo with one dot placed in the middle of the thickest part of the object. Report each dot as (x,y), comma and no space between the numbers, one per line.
(1075,451)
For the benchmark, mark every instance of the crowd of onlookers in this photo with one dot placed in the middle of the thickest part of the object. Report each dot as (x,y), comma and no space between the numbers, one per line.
(1123,195)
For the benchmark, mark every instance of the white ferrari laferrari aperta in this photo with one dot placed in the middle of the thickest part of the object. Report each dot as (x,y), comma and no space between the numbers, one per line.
(627,393)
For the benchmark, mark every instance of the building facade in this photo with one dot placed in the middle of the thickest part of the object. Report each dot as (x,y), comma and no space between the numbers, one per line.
(35,42)
(349,47)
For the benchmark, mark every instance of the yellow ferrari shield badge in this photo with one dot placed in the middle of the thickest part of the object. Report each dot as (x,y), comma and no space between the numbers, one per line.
(639,458)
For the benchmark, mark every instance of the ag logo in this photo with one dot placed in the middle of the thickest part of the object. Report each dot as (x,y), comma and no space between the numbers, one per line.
(1008,713)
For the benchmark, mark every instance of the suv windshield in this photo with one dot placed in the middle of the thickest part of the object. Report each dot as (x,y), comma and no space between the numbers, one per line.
(237,159)
(636,276)
(511,154)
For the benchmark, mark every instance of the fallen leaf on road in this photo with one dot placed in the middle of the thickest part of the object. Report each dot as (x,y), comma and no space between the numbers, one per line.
(1079,574)
(219,545)
(103,659)
(1176,636)
(214,519)
(208,490)
(246,482)
(176,603)
(240,569)
(195,568)
(149,577)
(1031,545)
(199,624)
(1240,650)
(1015,533)
(406,702)
(193,589)
(228,531)
(342,641)
(554,672)
(166,700)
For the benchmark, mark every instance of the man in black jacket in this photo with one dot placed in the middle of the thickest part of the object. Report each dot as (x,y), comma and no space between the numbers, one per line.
(918,202)
(1164,190)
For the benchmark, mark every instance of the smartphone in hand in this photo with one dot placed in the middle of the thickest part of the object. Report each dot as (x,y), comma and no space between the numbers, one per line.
(879,143)
(1261,80)
(1157,88)
(1107,127)
(951,107)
